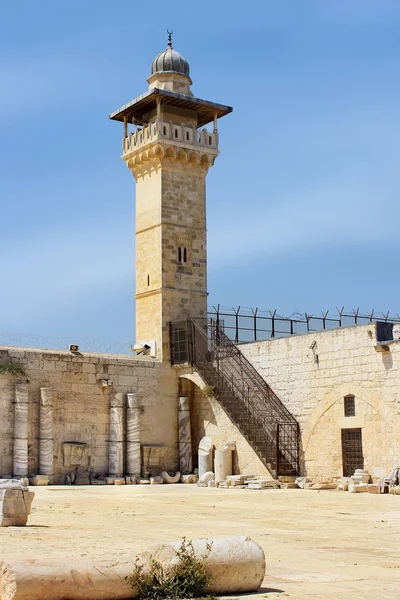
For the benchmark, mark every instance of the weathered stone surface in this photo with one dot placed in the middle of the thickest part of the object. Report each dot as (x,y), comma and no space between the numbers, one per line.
(301,481)
(39,580)
(318,486)
(205,455)
(343,483)
(116,442)
(15,506)
(189,478)
(357,488)
(39,480)
(237,564)
(153,459)
(206,477)
(185,436)
(46,432)
(75,454)
(170,477)
(374,488)
(222,464)
(157,480)
(133,451)
(14,483)
(20,456)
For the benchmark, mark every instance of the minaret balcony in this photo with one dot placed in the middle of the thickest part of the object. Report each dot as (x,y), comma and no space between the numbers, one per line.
(181,135)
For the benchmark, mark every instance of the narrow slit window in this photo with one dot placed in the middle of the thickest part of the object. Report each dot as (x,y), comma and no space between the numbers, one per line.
(176,133)
(210,140)
(187,136)
(164,130)
(179,254)
(148,280)
(349,406)
(185,255)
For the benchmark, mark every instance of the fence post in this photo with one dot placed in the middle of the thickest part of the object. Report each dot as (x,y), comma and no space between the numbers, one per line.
(277,449)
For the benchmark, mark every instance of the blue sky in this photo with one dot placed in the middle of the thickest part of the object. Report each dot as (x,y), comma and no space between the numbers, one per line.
(303,202)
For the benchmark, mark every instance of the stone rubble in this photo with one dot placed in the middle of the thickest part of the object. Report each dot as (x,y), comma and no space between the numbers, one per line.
(189,478)
(156,480)
(171,477)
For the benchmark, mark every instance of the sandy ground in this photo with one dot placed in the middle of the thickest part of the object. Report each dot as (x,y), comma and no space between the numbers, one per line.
(325,544)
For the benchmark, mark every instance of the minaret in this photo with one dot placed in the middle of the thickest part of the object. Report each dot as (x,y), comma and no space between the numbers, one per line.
(169,155)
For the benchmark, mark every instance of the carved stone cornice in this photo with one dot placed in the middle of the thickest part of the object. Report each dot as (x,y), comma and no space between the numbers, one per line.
(157,155)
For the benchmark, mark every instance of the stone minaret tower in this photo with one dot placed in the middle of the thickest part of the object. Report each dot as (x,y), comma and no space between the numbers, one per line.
(169,155)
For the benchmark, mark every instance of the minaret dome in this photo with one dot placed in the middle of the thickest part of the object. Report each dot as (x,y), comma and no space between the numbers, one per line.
(170,71)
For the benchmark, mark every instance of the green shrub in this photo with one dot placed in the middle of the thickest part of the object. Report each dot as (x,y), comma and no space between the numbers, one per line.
(11,367)
(188,578)
(208,391)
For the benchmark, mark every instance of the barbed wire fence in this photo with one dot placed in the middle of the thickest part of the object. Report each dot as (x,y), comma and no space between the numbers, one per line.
(243,324)
(85,344)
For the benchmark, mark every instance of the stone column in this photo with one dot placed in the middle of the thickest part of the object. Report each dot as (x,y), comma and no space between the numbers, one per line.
(133,458)
(20,457)
(205,455)
(46,432)
(116,443)
(185,437)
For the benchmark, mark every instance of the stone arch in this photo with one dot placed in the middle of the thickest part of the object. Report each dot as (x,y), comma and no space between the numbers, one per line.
(209,418)
(321,436)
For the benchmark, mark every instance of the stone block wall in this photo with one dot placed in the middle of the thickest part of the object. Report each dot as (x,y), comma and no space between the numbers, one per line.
(81,404)
(313,381)
(209,418)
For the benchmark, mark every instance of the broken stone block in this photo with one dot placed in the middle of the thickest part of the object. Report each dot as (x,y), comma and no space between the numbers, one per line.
(300,481)
(358,489)
(143,481)
(129,480)
(170,476)
(157,480)
(119,480)
(212,484)
(343,483)
(374,488)
(205,478)
(109,480)
(322,486)
(189,478)
(15,506)
(287,479)
(14,483)
(39,480)
(291,485)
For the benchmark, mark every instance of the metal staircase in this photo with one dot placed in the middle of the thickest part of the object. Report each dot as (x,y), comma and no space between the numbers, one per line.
(251,404)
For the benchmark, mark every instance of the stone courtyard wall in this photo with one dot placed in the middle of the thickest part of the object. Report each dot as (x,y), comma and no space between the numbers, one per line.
(81,403)
(312,383)
(209,418)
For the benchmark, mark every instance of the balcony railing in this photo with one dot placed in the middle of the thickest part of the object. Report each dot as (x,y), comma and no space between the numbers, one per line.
(168,131)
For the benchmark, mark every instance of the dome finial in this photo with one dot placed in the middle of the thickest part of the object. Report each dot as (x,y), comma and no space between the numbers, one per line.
(170,37)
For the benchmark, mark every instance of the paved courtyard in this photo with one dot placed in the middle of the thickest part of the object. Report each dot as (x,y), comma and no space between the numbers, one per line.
(325,544)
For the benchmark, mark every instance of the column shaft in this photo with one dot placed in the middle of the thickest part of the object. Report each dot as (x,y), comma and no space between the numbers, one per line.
(133,458)
(46,432)
(185,437)
(20,457)
(116,455)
